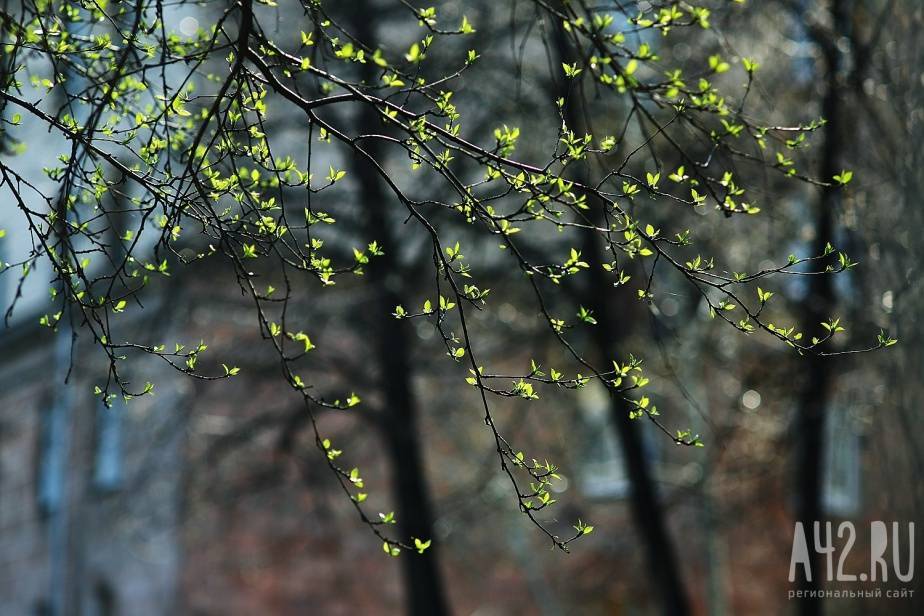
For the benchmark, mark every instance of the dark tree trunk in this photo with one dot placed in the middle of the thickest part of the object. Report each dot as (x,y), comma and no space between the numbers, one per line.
(817,307)
(665,581)
(422,581)
(647,512)
(423,584)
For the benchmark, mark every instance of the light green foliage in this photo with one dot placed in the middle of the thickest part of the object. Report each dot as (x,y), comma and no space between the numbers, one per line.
(201,178)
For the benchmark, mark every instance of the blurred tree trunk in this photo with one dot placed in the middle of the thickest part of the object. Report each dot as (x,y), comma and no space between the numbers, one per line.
(818,306)
(647,512)
(423,585)
(612,314)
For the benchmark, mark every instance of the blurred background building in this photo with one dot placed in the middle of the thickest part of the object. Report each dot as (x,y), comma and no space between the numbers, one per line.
(210,498)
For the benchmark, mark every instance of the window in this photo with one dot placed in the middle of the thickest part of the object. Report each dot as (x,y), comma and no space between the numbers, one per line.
(52,446)
(602,470)
(53,433)
(107,462)
(841,489)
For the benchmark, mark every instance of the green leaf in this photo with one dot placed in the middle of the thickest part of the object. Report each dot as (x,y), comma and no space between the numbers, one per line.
(571,70)
(414,54)
(421,545)
(717,64)
(844,177)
